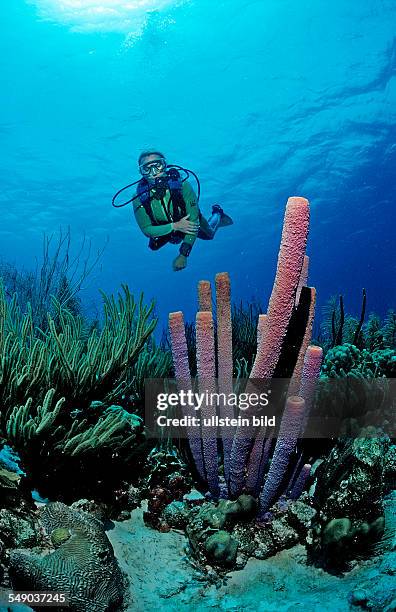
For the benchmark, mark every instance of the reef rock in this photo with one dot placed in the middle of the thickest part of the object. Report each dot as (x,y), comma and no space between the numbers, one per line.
(350,483)
(348,496)
(390,468)
(82,565)
(176,514)
(207,532)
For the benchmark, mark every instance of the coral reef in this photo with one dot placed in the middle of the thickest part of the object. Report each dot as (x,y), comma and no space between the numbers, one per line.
(82,564)
(275,467)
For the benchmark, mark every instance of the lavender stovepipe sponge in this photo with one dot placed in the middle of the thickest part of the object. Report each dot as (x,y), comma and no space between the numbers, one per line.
(183,378)
(207,384)
(309,379)
(225,363)
(287,439)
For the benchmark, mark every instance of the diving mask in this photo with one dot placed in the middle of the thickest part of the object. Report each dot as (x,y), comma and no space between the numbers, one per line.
(153,168)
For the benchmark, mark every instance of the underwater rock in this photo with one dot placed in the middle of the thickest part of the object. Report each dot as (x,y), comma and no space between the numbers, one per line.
(133,497)
(336,532)
(390,468)
(350,483)
(97,510)
(176,514)
(265,544)
(376,593)
(211,519)
(17,530)
(340,538)
(301,516)
(287,524)
(222,548)
(244,506)
(194,498)
(348,495)
(166,479)
(244,533)
(159,498)
(283,535)
(83,565)
(359,597)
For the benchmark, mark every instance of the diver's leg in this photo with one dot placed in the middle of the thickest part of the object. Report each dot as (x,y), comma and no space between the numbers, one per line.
(208,228)
(157,243)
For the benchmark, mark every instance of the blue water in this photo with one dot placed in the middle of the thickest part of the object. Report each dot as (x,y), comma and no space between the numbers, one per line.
(263,100)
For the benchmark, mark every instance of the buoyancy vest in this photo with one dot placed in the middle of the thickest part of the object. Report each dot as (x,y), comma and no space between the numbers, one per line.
(171,181)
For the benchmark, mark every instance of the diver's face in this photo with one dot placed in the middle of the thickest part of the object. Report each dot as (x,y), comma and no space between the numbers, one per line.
(152,167)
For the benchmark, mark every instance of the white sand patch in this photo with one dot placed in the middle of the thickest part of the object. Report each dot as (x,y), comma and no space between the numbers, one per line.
(162,579)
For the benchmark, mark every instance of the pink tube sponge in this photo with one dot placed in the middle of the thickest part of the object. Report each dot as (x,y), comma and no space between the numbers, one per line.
(207,383)
(299,485)
(288,273)
(224,359)
(205,346)
(224,327)
(274,326)
(179,346)
(183,378)
(204,295)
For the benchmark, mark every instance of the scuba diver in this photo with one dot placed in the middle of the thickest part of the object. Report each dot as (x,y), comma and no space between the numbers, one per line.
(166,207)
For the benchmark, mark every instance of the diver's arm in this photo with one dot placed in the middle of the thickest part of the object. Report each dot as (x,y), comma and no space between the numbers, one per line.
(144,222)
(192,210)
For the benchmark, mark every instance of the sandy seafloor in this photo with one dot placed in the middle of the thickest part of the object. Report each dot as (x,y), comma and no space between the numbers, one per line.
(162,579)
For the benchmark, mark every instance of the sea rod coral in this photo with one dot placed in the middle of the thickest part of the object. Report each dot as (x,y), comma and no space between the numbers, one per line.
(58,387)
(283,350)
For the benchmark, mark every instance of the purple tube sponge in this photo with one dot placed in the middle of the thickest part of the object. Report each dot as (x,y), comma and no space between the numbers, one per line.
(207,384)
(183,378)
(299,485)
(287,439)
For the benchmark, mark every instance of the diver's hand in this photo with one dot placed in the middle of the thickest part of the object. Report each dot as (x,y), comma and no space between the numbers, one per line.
(185,226)
(179,263)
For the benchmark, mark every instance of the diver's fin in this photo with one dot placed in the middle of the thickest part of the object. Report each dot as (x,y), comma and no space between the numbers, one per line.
(225,220)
